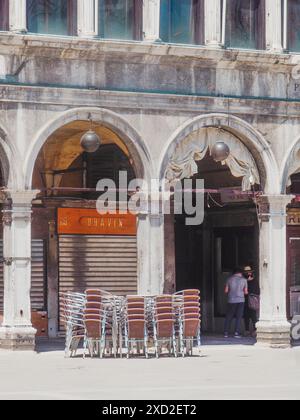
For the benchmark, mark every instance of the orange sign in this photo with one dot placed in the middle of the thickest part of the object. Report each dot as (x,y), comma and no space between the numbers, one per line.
(90,222)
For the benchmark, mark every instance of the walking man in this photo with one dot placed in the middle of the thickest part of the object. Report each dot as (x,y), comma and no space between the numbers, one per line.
(236,289)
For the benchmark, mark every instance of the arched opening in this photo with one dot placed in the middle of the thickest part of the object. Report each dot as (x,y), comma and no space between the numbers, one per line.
(76,248)
(205,255)
(292,187)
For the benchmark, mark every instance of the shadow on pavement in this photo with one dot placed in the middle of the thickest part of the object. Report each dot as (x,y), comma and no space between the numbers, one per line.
(44,345)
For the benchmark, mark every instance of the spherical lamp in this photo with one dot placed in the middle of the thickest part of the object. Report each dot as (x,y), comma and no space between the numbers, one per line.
(90,141)
(220,151)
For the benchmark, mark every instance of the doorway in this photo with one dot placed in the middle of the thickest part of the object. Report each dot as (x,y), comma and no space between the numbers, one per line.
(207,254)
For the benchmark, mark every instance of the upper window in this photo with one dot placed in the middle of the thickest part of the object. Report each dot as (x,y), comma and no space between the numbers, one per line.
(182,21)
(293,25)
(245,24)
(120,19)
(56,17)
(4,6)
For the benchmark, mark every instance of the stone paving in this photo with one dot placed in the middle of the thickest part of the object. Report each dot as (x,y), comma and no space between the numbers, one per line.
(225,371)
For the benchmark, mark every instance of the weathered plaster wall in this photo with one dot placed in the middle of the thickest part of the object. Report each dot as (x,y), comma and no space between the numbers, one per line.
(155,88)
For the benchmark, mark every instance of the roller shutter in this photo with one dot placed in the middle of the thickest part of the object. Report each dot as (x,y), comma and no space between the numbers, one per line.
(105,262)
(38,278)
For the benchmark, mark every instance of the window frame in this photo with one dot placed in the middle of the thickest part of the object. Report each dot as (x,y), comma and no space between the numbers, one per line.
(286,33)
(137,34)
(261,42)
(72,19)
(4,19)
(199,24)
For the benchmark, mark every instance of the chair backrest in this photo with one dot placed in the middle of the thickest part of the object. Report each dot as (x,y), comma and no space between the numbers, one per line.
(163,299)
(136,311)
(136,328)
(96,310)
(191,298)
(93,328)
(93,298)
(192,292)
(136,305)
(94,305)
(191,310)
(191,326)
(165,327)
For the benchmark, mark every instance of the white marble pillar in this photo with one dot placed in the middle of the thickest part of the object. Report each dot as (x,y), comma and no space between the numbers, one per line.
(87,18)
(150,240)
(17,16)
(274,26)
(151,20)
(157,255)
(273,328)
(213,23)
(143,247)
(17,332)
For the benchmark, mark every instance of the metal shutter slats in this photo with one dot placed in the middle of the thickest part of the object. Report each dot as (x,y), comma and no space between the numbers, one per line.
(104,262)
(98,262)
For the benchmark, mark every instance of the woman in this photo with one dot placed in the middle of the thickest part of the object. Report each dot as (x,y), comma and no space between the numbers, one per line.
(252,301)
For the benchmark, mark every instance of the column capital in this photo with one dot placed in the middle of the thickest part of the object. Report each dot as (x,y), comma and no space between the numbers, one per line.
(273,205)
(21,198)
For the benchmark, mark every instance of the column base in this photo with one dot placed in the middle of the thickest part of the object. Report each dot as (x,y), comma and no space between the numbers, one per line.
(17,338)
(274,334)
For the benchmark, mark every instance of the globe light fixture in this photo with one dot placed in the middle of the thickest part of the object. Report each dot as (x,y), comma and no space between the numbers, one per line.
(90,141)
(220,151)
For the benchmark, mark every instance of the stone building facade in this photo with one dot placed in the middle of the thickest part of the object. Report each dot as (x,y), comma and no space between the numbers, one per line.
(148,95)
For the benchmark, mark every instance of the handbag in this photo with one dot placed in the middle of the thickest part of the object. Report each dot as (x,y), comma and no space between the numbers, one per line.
(254,302)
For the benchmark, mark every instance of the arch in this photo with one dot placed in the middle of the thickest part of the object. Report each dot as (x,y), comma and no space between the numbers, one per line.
(288,166)
(251,138)
(131,138)
(10,162)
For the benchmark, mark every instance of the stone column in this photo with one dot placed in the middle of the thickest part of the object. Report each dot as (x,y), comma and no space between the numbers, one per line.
(143,246)
(170,260)
(87,18)
(17,16)
(150,240)
(17,332)
(273,328)
(157,257)
(151,20)
(53,280)
(274,23)
(213,23)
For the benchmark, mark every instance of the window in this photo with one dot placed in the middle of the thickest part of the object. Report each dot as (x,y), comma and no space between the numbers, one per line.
(4,6)
(245,24)
(56,17)
(182,21)
(293,25)
(120,19)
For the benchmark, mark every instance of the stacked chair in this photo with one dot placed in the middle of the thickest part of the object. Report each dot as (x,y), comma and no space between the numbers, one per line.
(100,323)
(135,325)
(73,305)
(107,324)
(164,324)
(189,320)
